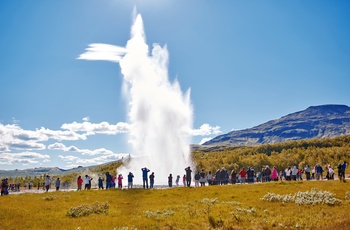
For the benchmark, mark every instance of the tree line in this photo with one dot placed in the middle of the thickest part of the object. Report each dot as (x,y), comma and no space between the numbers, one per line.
(299,153)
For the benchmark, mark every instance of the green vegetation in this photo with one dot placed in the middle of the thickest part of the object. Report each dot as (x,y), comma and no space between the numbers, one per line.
(211,207)
(299,153)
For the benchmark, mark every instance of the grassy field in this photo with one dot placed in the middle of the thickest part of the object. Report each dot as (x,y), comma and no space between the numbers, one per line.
(213,207)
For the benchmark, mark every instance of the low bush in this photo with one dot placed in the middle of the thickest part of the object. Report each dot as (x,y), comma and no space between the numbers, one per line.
(85,209)
(313,197)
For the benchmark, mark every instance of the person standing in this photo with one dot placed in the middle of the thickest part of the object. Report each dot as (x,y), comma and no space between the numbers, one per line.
(188,176)
(79,182)
(210,178)
(113,181)
(274,174)
(151,180)
(120,181)
(100,182)
(218,177)
(184,180)
(319,171)
(58,184)
(288,173)
(343,168)
(223,176)
(170,180)
(308,172)
(267,174)
(47,183)
(130,180)
(300,174)
(145,177)
(250,175)
(202,179)
(243,175)
(197,177)
(87,182)
(233,176)
(177,180)
(4,187)
(108,180)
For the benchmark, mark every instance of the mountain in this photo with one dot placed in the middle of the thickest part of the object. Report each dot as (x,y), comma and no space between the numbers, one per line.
(313,122)
(53,171)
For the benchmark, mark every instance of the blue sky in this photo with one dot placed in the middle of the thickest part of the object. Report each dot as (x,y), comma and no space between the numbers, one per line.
(246,62)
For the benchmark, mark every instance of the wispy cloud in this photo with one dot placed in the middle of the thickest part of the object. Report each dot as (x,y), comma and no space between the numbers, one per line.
(23,158)
(62,135)
(74,161)
(88,152)
(206,130)
(101,128)
(13,136)
(204,140)
(103,52)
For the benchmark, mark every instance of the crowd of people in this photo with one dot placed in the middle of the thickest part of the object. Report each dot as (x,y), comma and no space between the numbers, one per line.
(266,174)
(223,176)
(201,178)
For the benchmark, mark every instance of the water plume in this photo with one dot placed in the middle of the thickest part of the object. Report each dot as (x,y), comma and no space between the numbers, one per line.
(160,114)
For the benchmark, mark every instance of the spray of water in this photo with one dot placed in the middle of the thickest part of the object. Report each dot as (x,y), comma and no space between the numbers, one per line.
(159,113)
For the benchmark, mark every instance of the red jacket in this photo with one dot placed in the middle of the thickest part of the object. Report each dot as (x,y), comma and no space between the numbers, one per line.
(80,181)
(243,173)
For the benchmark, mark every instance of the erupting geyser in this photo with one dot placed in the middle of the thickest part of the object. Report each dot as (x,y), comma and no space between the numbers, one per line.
(160,115)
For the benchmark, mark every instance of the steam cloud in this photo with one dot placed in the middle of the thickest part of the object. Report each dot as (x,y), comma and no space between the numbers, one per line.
(160,114)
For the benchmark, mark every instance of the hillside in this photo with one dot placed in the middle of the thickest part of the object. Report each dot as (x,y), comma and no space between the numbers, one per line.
(54,171)
(324,121)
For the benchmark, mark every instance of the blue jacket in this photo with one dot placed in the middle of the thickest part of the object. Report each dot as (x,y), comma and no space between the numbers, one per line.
(144,173)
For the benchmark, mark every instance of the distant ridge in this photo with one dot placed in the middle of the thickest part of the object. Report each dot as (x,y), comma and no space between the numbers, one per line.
(314,122)
(52,171)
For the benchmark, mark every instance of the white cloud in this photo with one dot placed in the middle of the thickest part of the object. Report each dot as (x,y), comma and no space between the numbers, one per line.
(206,130)
(68,158)
(28,145)
(103,52)
(4,148)
(100,128)
(23,157)
(88,152)
(13,136)
(204,140)
(56,146)
(62,135)
(86,118)
(73,161)
(72,149)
